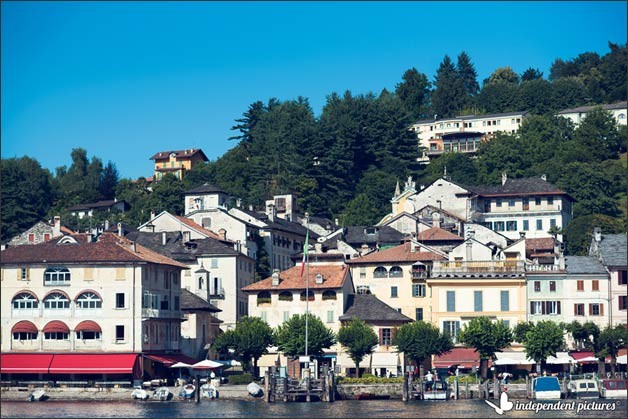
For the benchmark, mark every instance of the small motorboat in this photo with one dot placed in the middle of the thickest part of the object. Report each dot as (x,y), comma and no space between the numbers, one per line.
(254,389)
(37,396)
(583,387)
(162,394)
(439,391)
(546,388)
(187,391)
(209,391)
(140,394)
(613,388)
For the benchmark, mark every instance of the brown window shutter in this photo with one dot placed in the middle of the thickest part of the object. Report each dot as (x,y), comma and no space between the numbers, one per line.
(532,307)
(558,307)
(595,285)
(575,309)
(601,309)
(380,336)
(590,309)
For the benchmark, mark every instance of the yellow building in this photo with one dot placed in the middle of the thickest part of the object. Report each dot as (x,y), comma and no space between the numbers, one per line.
(177,162)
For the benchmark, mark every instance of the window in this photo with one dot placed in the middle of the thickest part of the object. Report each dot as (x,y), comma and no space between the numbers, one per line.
(263,297)
(262,315)
(396,272)
(553,307)
(310,295)
(214,262)
(537,286)
(57,276)
(362,272)
(537,201)
(622,279)
(452,328)
(330,316)
(506,323)
(550,200)
(552,286)
(451,301)
(24,301)
(120,333)
(418,314)
(56,301)
(363,289)
(380,272)
(286,316)
(595,285)
(24,335)
(578,309)
(623,301)
(505,300)
(201,281)
(120,300)
(385,337)
(329,295)
(498,202)
(511,226)
(544,307)
(393,292)
(88,300)
(31,237)
(24,274)
(477,300)
(526,225)
(539,224)
(552,222)
(596,309)
(87,335)
(499,226)
(56,336)
(511,202)
(580,285)
(177,302)
(285,296)
(418,290)
(536,307)
(525,203)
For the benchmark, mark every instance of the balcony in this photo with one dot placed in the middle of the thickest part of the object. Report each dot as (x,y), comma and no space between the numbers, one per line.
(471,268)
(542,268)
(155,313)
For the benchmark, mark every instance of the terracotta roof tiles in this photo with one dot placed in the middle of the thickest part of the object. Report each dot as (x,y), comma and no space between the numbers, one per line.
(334,276)
(401,253)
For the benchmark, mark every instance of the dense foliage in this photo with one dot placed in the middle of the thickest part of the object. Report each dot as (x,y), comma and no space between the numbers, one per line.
(290,336)
(359,339)
(487,337)
(542,340)
(345,162)
(420,340)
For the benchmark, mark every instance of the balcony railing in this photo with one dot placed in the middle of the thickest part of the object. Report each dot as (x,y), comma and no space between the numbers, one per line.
(490,266)
(542,268)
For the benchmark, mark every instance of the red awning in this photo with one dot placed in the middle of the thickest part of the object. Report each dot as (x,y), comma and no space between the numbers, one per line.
(56,326)
(170,359)
(93,364)
(25,363)
(462,357)
(584,357)
(87,326)
(24,326)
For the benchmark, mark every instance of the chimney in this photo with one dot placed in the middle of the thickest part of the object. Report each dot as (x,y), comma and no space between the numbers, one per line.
(133,247)
(186,236)
(470,234)
(522,234)
(164,239)
(238,203)
(90,237)
(152,215)
(319,279)
(251,207)
(106,225)
(504,178)
(223,234)
(120,229)
(543,176)
(318,247)
(364,249)
(275,278)
(436,219)
(597,234)
(56,229)
(271,212)
(469,254)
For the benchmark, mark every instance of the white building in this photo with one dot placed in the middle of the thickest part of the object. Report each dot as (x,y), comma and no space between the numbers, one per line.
(617,110)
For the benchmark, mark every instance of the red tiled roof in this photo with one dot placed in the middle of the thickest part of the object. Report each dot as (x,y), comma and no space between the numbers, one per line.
(334,276)
(198,227)
(164,155)
(401,253)
(436,233)
(544,243)
(109,248)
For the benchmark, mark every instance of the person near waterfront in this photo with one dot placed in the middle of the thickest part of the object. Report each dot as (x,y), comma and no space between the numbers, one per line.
(429,380)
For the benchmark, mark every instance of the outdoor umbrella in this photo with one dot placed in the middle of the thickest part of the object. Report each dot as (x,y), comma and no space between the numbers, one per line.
(180,365)
(206,364)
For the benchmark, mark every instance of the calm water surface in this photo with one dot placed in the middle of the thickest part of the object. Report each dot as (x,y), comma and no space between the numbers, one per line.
(258,408)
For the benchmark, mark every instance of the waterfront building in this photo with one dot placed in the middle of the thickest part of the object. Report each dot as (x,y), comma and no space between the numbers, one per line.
(199,327)
(611,250)
(81,298)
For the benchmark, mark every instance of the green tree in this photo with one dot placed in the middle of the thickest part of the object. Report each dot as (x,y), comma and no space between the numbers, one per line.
(579,231)
(359,211)
(249,340)
(460,168)
(531,74)
(448,95)
(359,339)
(536,96)
(290,336)
(499,97)
(597,137)
(136,194)
(504,75)
(613,70)
(520,330)
(414,93)
(567,92)
(468,77)
(610,341)
(543,340)
(27,194)
(487,337)
(167,195)
(420,340)
(108,181)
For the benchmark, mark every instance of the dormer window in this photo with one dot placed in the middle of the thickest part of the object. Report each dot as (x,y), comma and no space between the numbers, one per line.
(370,230)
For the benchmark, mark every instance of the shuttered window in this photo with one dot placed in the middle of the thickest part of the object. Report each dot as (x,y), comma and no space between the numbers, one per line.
(451,300)
(505,300)
(477,300)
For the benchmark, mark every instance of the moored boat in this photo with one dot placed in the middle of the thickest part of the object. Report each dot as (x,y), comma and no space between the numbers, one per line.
(438,391)
(254,389)
(140,394)
(162,394)
(187,391)
(209,391)
(613,388)
(583,387)
(546,388)
(37,396)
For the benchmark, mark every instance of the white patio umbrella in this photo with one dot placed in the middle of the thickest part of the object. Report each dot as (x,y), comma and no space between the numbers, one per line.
(623,359)
(206,364)
(180,365)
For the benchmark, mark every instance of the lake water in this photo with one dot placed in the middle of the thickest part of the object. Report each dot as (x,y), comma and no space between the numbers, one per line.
(258,408)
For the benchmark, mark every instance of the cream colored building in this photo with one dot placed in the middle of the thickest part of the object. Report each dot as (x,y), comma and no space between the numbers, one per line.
(617,110)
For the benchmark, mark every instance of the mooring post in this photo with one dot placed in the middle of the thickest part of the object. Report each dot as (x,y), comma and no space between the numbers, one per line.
(332,386)
(456,388)
(404,388)
(197,388)
(307,388)
(496,389)
(267,386)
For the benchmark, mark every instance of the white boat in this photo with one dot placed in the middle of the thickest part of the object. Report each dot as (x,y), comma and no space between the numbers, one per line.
(546,388)
(37,396)
(209,391)
(439,391)
(162,394)
(613,388)
(140,394)
(187,391)
(583,387)
(254,389)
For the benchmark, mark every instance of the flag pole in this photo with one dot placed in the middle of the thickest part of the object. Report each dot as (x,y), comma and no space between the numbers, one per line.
(307,277)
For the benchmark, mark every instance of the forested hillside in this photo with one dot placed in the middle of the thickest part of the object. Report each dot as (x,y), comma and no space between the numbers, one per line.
(345,162)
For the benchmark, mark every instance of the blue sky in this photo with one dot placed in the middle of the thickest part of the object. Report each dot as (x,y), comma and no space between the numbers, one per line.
(125,80)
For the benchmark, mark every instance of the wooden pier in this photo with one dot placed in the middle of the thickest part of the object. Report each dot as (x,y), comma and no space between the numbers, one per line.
(308,389)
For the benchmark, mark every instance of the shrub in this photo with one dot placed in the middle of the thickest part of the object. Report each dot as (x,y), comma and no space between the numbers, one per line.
(368,379)
(240,378)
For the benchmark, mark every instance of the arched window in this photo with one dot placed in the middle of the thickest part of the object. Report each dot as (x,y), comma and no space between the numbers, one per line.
(57,276)
(56,301)
(285,296)
(310,295)
(88,330)
(25,301)
(380,272)
(24,330)
(363,289)
(396,272)
(56,330)
(329,295)
(88,300)
(263,297)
